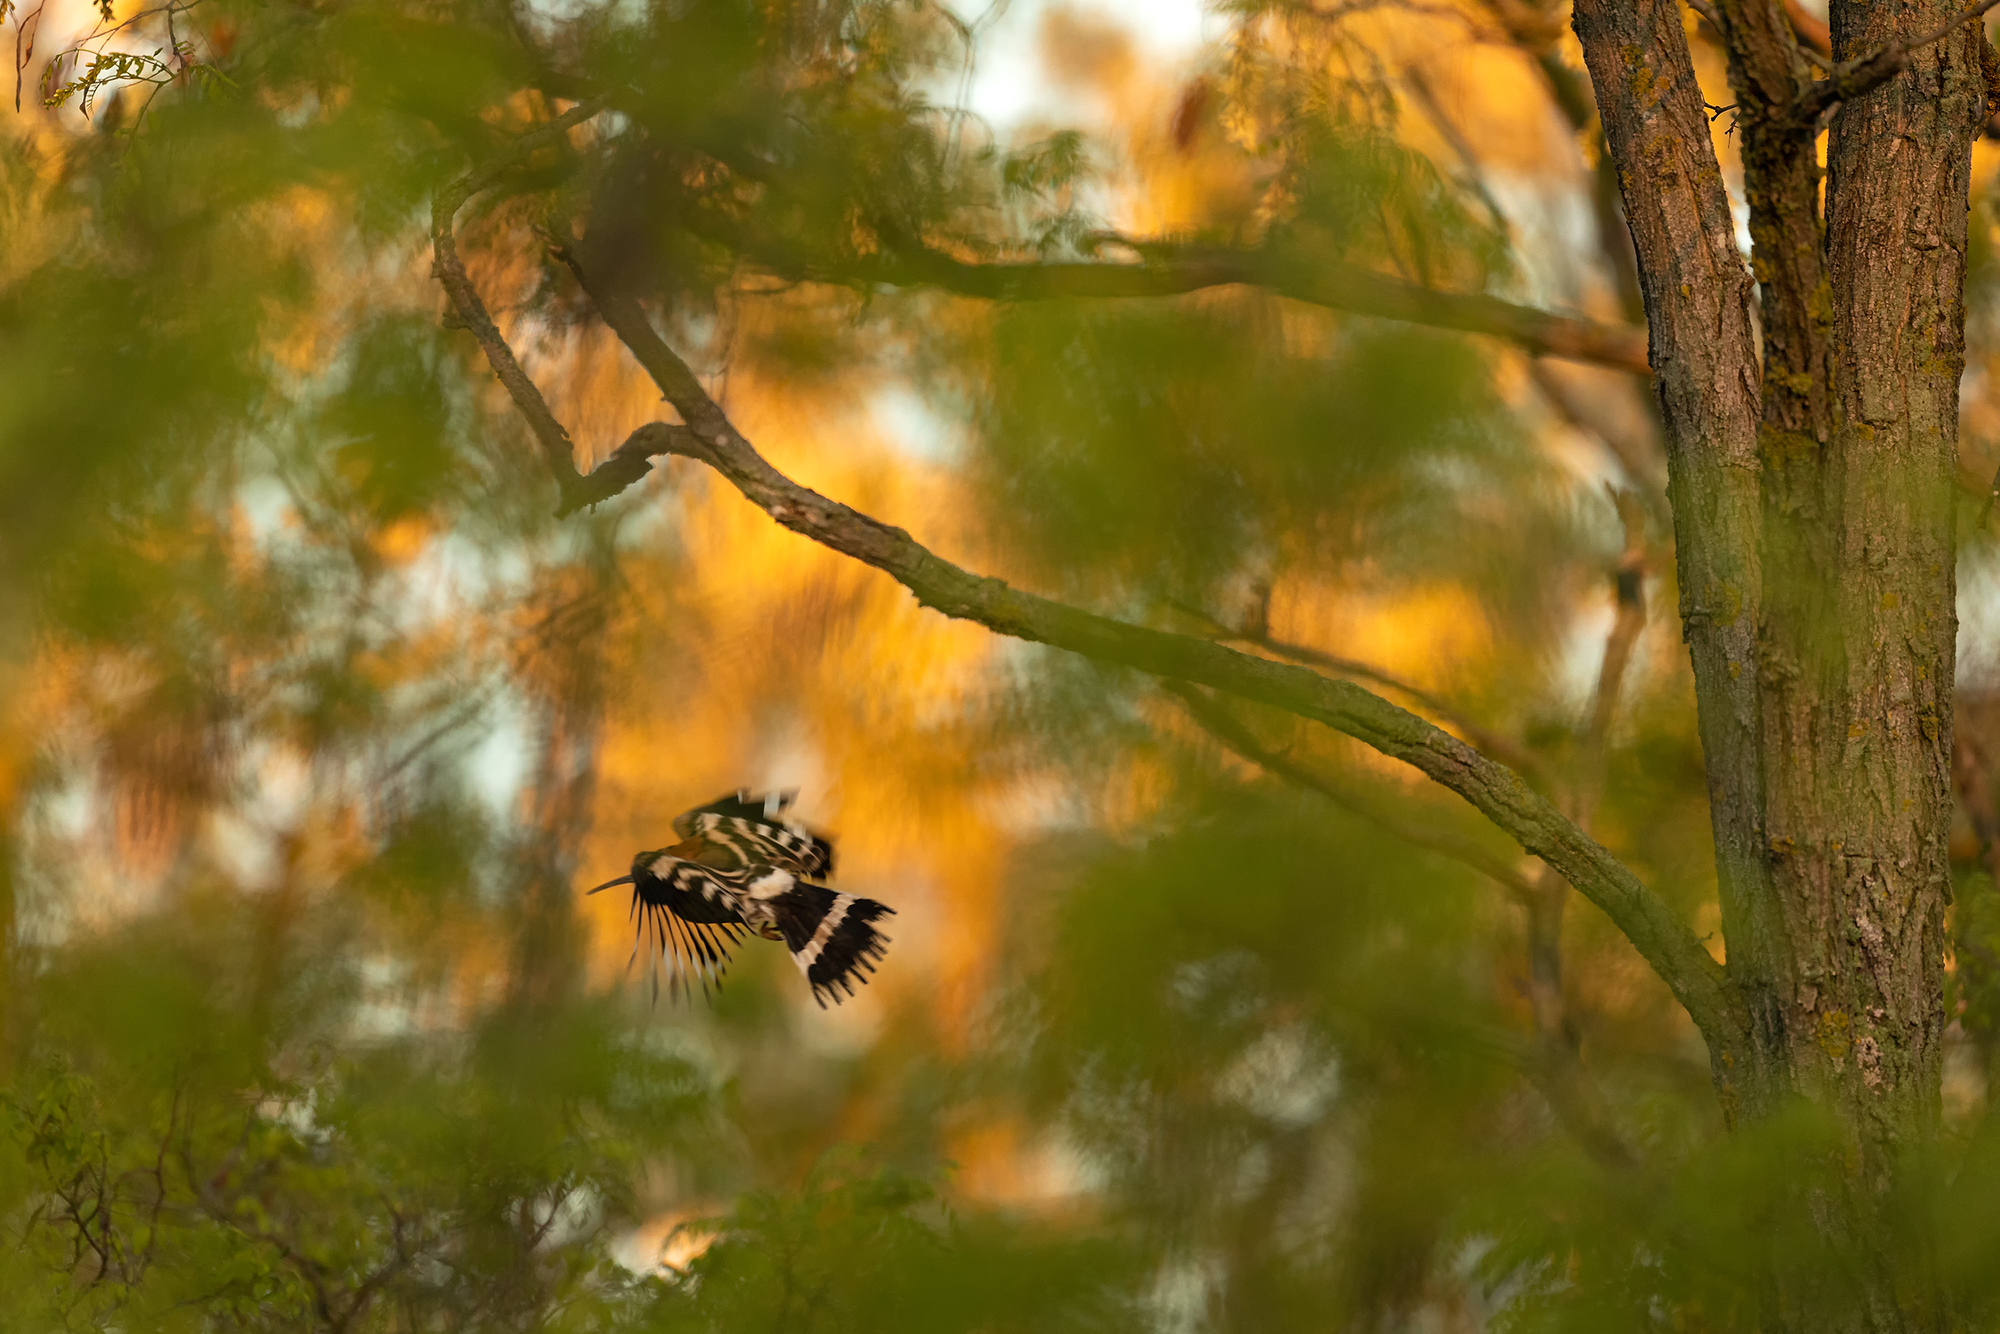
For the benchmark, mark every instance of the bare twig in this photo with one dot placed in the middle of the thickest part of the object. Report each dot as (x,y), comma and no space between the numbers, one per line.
(1664,940)
(159,1175)
(27,27)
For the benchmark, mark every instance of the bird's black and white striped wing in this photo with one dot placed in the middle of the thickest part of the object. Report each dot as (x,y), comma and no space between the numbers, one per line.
(687,919)
(832,937)
(754,828)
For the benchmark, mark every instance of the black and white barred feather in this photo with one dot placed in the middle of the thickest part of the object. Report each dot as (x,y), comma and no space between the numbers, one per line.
(741,866)
(754,830)
(832,938)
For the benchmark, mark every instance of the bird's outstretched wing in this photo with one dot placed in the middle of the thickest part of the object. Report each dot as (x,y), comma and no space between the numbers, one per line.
(694,915)
(686,917)
(754,828)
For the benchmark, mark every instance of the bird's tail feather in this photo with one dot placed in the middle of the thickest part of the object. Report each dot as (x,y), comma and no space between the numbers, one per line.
(832,937)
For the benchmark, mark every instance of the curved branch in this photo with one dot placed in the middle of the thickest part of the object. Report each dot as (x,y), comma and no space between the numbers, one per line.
(627,464)
(1499,793)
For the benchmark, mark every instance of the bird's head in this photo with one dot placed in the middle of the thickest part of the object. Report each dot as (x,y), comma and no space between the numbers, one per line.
(642,865)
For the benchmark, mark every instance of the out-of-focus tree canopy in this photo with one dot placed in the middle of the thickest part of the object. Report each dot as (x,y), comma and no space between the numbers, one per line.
(327,681)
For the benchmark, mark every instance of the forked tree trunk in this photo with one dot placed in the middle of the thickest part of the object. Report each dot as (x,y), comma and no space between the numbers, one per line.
(1812,500)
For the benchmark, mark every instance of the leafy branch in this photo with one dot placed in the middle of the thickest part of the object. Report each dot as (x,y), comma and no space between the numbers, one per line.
(1496,791)
(708,436)
(109,68)
(82,71)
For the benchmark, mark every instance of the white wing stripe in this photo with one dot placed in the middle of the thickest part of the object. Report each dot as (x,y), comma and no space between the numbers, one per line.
(835,915)
(771,884)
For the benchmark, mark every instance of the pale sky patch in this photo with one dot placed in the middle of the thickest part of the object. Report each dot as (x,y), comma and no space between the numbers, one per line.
(1010,87)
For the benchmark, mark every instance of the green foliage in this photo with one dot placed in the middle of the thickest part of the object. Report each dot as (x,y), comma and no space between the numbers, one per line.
(851,1251)
(1163,450)
(194,1146)
(313,707)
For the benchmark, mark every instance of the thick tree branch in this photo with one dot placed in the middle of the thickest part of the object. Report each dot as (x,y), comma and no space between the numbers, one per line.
(1501,795)
(1816,45)
(1875,501)
(1328,283)
(1851,78)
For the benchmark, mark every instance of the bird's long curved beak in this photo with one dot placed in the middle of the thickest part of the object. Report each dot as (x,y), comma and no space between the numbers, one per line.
(621,880)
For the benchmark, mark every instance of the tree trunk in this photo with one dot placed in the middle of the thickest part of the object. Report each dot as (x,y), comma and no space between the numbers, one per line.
(1817,578)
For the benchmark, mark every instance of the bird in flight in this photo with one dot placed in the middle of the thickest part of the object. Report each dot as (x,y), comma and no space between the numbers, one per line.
(741,865)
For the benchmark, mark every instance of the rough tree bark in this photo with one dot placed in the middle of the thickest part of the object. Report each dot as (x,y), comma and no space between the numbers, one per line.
(1813,509)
